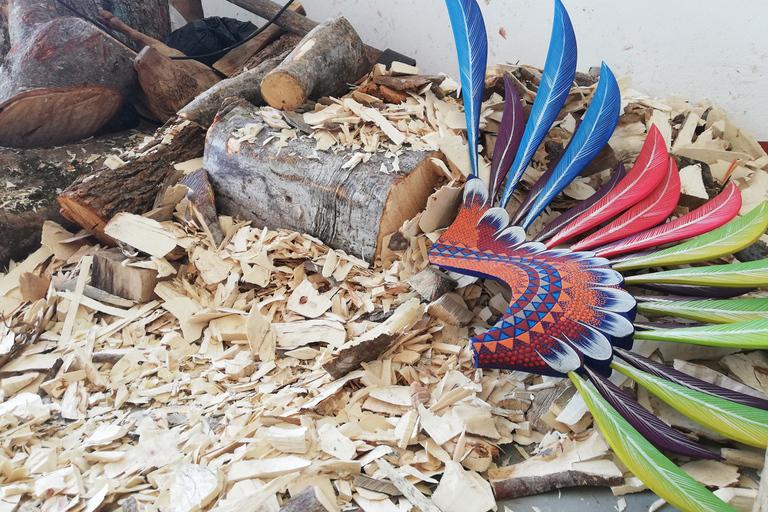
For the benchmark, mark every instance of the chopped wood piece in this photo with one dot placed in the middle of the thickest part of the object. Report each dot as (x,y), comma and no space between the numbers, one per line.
(743,458)
(132,283)
(432,283)
(567,463)
(761,502)
(413,495)
(450,308)
(325,61)
(712,473)
(144,234)
(463,491)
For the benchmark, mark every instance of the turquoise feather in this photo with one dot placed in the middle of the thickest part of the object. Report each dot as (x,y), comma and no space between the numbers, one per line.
(593,133)
(472,49)
(556,81)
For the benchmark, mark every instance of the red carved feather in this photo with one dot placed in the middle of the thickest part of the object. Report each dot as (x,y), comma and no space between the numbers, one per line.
(644,215)
(717,212)
(648,171)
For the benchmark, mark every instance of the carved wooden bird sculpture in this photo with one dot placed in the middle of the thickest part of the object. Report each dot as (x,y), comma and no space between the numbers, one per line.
(570,313)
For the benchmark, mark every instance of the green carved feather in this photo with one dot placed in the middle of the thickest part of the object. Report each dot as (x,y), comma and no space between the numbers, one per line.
(724,241)
(747,425)
(749,335)
(753,274)
(656,471)
(710,311)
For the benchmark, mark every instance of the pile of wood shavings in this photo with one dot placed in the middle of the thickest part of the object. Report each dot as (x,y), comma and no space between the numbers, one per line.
(217,391)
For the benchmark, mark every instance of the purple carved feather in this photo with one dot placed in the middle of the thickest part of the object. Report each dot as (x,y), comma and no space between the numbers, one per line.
(683,379)
(649,426)
(509,137)
(695,291)
(557,224)
(530,198)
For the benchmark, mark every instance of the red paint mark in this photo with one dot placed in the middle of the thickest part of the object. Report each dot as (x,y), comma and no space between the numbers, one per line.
(764,146)
(503,33)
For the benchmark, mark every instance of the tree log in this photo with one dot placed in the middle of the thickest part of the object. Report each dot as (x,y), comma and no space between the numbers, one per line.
(63,78)
(234,61)
(329,58)
(298,188)
(247,85)
(92,200)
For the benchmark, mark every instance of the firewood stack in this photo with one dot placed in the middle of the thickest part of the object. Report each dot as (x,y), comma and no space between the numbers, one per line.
(248,319)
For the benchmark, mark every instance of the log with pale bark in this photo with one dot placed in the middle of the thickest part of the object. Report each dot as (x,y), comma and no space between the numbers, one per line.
(298,188)
(325,62)
(247,85)
(92,200)
(168,84)
(151,17)
(234,62)
(63,78)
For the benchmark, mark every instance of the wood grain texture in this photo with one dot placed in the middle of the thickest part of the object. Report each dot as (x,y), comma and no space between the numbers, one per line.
(299,188)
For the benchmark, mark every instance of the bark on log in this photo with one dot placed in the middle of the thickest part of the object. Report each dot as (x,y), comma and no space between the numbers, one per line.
(93,200)
(152,17)
(202,110)
(63,78)
(298,188)
(329,58)
(234,61)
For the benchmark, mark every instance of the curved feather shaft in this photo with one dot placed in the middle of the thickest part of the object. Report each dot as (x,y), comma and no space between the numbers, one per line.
(749,335)
(540,184)
(647,213)
(752,274)
(665,372)
(656,471)
(711,311)
(747,425)
(648,171)
(595,130)
(697,292)
(661,435)
(557,224)
(509,137)
(472,49)
(716,213)
(556,80)
(724,241)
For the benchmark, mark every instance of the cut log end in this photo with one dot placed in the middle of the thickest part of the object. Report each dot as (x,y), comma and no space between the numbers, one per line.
(56,116)
(283,91)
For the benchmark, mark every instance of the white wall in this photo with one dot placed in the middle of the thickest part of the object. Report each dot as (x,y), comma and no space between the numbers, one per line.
(702,49)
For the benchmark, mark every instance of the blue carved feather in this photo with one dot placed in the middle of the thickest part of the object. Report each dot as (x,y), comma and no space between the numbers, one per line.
(472,48)
(556,80)
(595,130)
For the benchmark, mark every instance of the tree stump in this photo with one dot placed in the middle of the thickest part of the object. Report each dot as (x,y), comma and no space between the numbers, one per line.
(309,191)
(63,78)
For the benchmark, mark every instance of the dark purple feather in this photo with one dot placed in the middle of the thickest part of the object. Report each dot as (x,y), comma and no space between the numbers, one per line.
(510,134)
(557,224)
(530,198)
(677,377)
(649,426)
(696,291)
